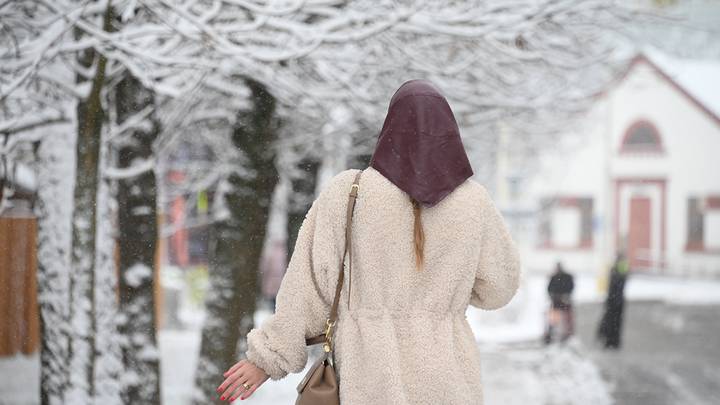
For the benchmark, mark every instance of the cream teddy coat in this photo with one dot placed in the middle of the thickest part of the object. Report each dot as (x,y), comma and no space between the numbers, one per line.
(405,338)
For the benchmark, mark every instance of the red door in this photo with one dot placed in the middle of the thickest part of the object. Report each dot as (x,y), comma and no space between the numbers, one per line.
(639,233)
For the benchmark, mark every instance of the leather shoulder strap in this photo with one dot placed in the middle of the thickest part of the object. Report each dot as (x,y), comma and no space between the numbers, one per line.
(348,249)
(327,336)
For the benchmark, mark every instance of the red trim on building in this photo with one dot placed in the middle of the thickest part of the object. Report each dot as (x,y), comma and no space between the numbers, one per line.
(657,148)
(619,182)
(565,201)
(699,247)
(583,244)
(712,203)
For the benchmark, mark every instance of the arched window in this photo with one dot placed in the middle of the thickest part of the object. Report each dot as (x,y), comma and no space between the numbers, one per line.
(642,136)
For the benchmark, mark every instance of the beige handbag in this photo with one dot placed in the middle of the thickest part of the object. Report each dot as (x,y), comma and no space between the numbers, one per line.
(320,385)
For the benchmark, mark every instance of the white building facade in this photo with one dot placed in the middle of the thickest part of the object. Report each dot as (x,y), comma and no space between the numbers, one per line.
(643,178)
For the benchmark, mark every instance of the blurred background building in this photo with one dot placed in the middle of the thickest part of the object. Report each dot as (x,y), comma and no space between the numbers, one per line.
(634,178)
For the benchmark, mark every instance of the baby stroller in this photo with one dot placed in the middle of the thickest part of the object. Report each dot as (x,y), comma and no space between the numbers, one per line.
(560,322)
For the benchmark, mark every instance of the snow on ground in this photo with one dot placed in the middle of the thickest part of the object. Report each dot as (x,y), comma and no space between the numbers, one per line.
(178,353)
(524,374)
(645,287)
(530,374)
(180,349)
(508,340)
(673,290)
(19,376)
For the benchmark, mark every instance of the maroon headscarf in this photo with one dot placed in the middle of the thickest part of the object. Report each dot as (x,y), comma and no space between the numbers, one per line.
(419,148)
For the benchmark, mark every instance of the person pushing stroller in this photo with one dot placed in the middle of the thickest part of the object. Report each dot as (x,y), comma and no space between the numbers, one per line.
(560,290)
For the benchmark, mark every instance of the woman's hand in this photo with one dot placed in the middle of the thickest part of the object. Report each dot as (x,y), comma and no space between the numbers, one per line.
(238,378)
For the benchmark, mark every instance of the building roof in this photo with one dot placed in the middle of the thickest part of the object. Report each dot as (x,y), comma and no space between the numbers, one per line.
(697,79)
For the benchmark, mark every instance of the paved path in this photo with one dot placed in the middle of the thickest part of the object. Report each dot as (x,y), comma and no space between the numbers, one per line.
(530,373)
(670,353)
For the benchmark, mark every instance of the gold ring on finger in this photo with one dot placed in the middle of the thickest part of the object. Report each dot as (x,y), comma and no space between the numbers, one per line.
(247,386)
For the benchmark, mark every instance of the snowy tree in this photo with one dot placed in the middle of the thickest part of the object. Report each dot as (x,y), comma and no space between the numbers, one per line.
(91,115)
(153,74)
(55,204)
(237,241)
(137,239)
(51,45)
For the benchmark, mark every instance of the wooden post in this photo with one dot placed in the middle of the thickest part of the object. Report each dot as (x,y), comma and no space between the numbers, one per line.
(19,314)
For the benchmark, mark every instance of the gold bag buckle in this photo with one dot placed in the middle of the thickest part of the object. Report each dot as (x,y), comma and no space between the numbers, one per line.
(328,335)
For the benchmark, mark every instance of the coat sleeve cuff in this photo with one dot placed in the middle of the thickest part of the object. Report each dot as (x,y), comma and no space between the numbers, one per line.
(262,356)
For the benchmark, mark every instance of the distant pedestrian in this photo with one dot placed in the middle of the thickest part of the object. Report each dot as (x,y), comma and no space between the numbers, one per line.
(610,328)
(560,290)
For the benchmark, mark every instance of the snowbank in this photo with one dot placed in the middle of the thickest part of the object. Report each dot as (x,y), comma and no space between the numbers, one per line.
(671,290)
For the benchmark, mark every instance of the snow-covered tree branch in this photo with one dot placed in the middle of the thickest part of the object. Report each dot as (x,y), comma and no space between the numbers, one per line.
(251,85)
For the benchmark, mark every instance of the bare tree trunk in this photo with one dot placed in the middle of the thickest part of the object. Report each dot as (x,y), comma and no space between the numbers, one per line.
(90,116)
(55,176)
(109,369)
(301,197)
(137,236)
(236,245)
